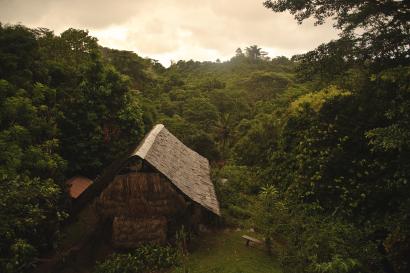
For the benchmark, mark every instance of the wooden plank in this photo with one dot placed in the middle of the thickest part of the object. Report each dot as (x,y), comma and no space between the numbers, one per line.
(251,239)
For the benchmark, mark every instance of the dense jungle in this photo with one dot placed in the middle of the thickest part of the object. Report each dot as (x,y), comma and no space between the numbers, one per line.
(312,151)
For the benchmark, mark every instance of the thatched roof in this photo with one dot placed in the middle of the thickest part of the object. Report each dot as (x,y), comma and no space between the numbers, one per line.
(186,169)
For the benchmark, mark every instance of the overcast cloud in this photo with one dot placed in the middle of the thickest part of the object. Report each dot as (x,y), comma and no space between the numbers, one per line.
(173,29)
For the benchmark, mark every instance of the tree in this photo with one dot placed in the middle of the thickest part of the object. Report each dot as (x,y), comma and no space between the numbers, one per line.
(78,45)
(132,65)
(98,116)
(102,120)
(384,25)
(238,52)
(255,53)
(269,212)
(201,112)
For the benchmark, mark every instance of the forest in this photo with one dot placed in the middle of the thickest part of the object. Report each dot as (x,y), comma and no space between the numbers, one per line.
(312,151)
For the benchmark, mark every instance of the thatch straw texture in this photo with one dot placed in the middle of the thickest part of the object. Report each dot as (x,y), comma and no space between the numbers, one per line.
(130,232)
(140,195)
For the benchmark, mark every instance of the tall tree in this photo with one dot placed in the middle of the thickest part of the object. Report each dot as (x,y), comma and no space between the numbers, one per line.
(255,53)
(238,52)
(381,28)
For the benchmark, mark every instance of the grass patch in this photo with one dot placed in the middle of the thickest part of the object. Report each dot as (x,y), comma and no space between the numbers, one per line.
(225,252)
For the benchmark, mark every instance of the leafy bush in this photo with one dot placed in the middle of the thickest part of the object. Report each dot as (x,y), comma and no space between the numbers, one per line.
(235,186)
(29,220)
(306,242)
(147,258)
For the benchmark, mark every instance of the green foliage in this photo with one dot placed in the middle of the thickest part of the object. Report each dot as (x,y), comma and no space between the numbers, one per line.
(201,112)
(30,220)
(256,138)
(264,85)
(326,132)
(384,25)
(337,265)
(341,155)
(146,258)
(62,112)
(67,98)
(234,186)
(268,214)
(129,63)
(110,117)
(314,244)
(202,103)
(316,100)
(303,241)
(338,152)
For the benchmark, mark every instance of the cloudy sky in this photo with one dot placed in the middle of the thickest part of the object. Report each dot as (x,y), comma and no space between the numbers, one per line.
(173,29)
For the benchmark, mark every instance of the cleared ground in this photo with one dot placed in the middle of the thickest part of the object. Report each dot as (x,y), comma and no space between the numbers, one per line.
(225,252)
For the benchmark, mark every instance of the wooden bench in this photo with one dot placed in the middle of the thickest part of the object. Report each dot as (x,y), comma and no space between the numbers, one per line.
(251,239)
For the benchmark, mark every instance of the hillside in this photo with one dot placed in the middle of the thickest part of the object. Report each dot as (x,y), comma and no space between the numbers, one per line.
(311,152)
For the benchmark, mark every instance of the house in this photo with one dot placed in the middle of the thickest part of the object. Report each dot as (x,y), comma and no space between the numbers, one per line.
(149,193)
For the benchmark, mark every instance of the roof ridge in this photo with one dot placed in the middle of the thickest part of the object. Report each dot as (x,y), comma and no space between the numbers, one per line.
(146,144)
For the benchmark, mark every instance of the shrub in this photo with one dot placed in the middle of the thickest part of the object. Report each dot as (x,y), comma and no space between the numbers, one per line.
(147,258)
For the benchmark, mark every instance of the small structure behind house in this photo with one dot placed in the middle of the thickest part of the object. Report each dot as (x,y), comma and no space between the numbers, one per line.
(77,185)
